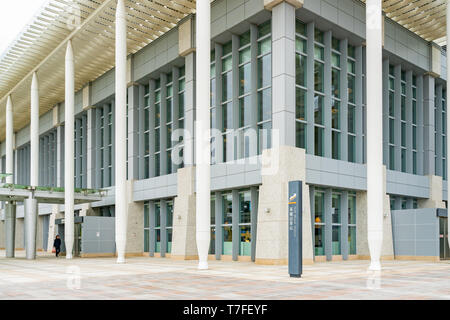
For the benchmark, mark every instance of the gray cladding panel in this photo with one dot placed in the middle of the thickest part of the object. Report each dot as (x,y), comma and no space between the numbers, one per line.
(415,232)
(98,235)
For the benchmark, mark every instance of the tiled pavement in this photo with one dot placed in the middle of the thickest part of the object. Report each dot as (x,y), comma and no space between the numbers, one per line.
(49,278)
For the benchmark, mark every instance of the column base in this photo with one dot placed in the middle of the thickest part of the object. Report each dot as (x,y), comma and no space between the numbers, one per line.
(203,265)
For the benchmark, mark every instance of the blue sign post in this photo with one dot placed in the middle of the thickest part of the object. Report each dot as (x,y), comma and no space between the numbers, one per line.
(295,228)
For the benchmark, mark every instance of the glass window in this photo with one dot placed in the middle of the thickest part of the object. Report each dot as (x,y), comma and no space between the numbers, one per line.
(318,36)
(300,27)
(319,234)
(318,109)
(265,71)
(335,136)
(335,115)
(300,130)
(335,83)
(300,104)
(300,69)
(318,76)
(318,141)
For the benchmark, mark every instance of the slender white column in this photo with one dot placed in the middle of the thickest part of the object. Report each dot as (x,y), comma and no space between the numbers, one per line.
(121,134)
(448,113)
(69,183)
(34,132)
(9,139)
(202,141)
(10,208)
(374,132)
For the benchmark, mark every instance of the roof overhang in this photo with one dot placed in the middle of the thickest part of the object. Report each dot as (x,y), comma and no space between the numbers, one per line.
(90,24)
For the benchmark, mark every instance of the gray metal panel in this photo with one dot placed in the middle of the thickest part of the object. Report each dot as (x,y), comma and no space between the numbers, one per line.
(98,235)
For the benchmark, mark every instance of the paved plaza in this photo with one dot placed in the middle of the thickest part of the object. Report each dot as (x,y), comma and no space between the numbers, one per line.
(49,278)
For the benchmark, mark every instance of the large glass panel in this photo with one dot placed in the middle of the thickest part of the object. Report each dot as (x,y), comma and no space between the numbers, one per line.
(300,104)
(335,83)
(336,208)
(351,88)
(319,240)
(301,71)
(351,209)
(265,105)
(244,55)
(335,115)
(264,46)
(245,79)
(300,27)
(245,111)
(318,109)
(391,104)
(319,216)
(227,246)
(318,76)
(227,116)
(227,86)
(227,202)
(300,130)
(265,71)
(245,246)
(352,240)
(336,240)
(335,145)
(245,207)
(351,119)
(318,141)
(351,148)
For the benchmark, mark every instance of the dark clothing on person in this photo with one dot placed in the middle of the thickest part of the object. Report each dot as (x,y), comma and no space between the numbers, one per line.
(57,245)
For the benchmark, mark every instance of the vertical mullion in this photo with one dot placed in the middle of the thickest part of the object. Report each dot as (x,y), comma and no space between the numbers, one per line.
(175,110)
(254,87)
(408,111)
(219,123)
(386,113)
(359,150)
(397,121)
(344,225)
(327,96)
(163,126)
(420,130)
(310,91)
(163,227)
(344,100)
(152,233)
(438,121)
(328,205)
(113,142)
(152,117)
(142,130)
(236,152)
(254,220)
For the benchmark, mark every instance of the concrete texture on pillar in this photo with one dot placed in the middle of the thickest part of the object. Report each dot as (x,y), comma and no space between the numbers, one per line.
(31,209)
(135,232)
(283,74)
(52,230)
(428,125)
(184,245)
(20,234)
(435,199)
(435,60)
(10,228)
(272,229)
(362,247)
(186,36)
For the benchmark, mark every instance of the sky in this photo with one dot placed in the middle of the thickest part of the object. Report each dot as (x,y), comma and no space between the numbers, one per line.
(14,15)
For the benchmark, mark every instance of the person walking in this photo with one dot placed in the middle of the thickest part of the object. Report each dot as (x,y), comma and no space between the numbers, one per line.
(57,245)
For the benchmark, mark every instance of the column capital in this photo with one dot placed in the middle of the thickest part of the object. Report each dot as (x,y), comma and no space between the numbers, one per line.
(269,4)
(435,60)
(186,36)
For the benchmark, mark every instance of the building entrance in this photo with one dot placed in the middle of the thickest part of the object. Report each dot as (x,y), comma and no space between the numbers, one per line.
(443,239)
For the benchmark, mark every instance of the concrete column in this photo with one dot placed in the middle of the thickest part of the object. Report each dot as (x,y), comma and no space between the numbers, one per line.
(272,237)
(34,132)
(10,228)
(9,140)
(375,191)
(203,146)
(189,111)
(31,207)
(283,74)
(428,125)
(120,131)
(133,132)
(10,208)
(69,181)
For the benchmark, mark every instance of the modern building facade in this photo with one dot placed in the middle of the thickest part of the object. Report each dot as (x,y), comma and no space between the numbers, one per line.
(289,98)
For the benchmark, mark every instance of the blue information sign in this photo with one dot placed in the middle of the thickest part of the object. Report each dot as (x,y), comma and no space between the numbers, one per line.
(295,228)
